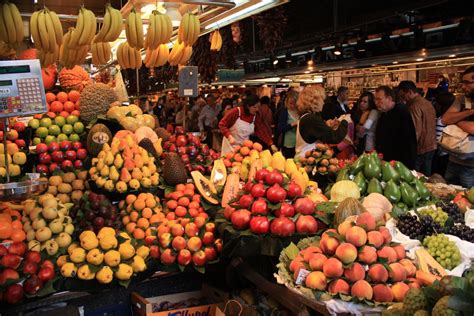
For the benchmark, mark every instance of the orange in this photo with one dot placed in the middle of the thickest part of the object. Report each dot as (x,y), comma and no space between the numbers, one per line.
(156,218)
(143,223)
(180,187)
(150,202)
(62,96)
(180,211)
(257,146)
(134,216)
(17,224)
(50,97)
(5,229)
(4,217)
(171,204)
(188,192)
(147,212)
(142,196)
(131,227)
(138,233)
(18,235)
(73,95)
(139,204)
(247,143)
(176,195)
(244,151)
(149,196)
(183,201)
(229,156)
(190,186)
(56,106)
(130,198)
(125,219)
(238,157)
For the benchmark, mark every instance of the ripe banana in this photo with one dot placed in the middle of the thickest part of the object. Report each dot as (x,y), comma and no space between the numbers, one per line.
(18,23)
(43,32)
(152,32)
(189,29)
(216,41)
(100,53)
(112,26)
(34,29)
(58,28)
(157,57)
(6,19)
(187,52)
(166,28)
(134,30)
(122,56)
(106,25)
(85,29)
(176,54)
(48,58)
(64,49)
(50,32)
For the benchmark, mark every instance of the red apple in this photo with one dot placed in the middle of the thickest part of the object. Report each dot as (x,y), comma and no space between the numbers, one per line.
(32,285)
(274,177)
(276,194)
(53,167)
(240,219)
(260,207)
(294,190)
(184,257)
(259,225)
(19,127)
(46,273)
(155,252)
(44,158)
(57,156)
(42,169)
(304,206)
(66,165)
(78,164)
(70,155)
(17,248)
(41,148)
(10,261)
(199,258)
(53,147)
(81,153)
(258,190)
(211,254)
(30,267)
(285,210)
(76,145)
(261,174)
(282,226)
(306,224)
(246,200)
(20,143)
(13,294)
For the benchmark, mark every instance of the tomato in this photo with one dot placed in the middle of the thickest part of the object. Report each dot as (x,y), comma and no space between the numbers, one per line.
(260,207)
(259,225)
(258,190)
(276,194)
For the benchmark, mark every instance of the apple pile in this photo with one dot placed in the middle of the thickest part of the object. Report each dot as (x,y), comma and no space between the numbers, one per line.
(320,160)
(17,264)
(63,103)
(57,129)
(14,135)
(15,159)
(185,236)
(272,195)
(68,186)
(94,211)
(195,156)
(47,224)
(65,156)
(357,260)
(104,256)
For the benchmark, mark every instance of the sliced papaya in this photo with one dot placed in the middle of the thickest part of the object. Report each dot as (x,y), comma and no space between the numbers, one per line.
(231,190)
(204,186)
(426,278)
(254,167)
(218,173)
(429,264)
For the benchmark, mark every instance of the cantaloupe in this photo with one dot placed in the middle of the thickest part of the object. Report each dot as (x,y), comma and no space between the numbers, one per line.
(204,186)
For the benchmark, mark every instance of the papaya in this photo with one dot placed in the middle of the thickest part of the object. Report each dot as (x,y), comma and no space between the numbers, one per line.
(218,173)
(428,264)
(204,186)
(254,167)
(426,278)
(231,189)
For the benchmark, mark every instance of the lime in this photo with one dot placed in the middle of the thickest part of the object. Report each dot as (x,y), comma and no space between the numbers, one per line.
(36,141)
(59,120)
(34,123)
(62,137)
(71,119)
(54,130)
(78,127)
(42,132)
(46,122)
(67,129)
(49,139)
(74,138)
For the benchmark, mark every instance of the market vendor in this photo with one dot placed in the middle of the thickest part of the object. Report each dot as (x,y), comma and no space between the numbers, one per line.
(240,123)
(311,128)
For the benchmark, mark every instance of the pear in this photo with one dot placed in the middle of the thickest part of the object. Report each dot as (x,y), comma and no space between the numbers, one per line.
(105,275)
(137,174)
(109,158)
(109,185)
(104,172)
(138,264)
(118,162)
(113,174)
(100,164)
(125,175)
(138,160)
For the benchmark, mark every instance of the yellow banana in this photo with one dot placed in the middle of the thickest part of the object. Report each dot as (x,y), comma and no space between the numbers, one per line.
(139,28)
(3,29)
(33,30)
(197,29)
(18,22)
(125,56)
(133,57)
(9,24)
(117,22)
(90,25)
(138,59)
(148,54)
(58,28)
(43,31)
(163,55)
(212,39)
(78,30)
(176,54)
(150,33)
(187,52)
(187,28)
(93,27)
(94,54)
(130,32)
(167,28)
(50,29)
(107,51)
(106,26)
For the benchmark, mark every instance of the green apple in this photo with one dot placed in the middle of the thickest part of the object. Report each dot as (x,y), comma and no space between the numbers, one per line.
(49,139)
(62,137)
(36,141)
(71,119)
(74,138)
(34,123)
(59,121)
(68,129)
(46,122)
(54,130)
(78,127)
(42,132)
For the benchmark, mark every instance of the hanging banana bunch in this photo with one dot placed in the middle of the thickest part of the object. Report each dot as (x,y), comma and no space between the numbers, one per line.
(189,29)
(112,26)
(101,53)
(216,41)
(70,56)
(134,29)
(159,30)
(11,25)
(84,31)
(46,30)
(48,58)
(157,57)
(128,57)
(180,54)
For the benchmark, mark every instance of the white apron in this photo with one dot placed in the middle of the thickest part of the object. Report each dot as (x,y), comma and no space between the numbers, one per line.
(301,146)
(241,131)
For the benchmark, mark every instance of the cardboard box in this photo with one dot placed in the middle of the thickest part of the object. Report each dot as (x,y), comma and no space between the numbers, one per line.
(144,306)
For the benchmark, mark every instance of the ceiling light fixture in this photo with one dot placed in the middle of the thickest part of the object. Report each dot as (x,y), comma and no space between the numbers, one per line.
(395,62)
(452,56)
(338,50)
(275,61)
(237,15)
(420,59)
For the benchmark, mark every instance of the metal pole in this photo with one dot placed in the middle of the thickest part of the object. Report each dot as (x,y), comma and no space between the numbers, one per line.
(5,152)
(138,84)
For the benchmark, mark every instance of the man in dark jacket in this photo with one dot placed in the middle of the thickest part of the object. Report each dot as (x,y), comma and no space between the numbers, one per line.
(395,135)
(336,106)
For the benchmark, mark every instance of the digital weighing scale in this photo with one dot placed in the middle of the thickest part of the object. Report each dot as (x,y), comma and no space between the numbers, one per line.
(21,94)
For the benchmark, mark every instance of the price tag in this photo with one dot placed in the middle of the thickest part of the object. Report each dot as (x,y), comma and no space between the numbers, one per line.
(302,276)
(188,92)
(33,176)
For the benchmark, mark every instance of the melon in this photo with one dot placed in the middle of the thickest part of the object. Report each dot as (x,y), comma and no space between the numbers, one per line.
(204,186)
(98,135)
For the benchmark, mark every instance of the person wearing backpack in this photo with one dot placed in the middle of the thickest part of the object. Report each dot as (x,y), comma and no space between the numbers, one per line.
(460,168)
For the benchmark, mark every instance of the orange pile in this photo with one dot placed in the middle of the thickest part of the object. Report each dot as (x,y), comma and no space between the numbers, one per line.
(11,227)
(139,213)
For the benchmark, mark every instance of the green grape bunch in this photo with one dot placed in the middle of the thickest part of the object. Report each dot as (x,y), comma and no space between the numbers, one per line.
(443,250)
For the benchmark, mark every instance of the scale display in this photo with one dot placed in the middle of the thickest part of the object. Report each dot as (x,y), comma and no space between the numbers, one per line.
(21,88)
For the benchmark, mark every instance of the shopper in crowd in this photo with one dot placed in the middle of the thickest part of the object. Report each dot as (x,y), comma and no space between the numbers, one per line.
(227,105)
(240,123)
(311,127)
(461,171)
(336,106)
(369,116)
(424,118)
(395,135)
(287,125)
(208,118)
(280,106)
(442,103)
(199,103)
(265,115)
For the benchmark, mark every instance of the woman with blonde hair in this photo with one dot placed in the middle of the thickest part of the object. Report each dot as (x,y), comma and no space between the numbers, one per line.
(311,128)
(287,122)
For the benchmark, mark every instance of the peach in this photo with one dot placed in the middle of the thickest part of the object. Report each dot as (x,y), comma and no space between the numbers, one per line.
(346,252)
(316,280)
(296,264)
(368,255)
(413,283)
(382,293)
(366,221)
(306,253)
(317,261)
(409,266)
(332,268)
(387,253)
(338,286)
(362,290)
(378,273)
(343,227)
(355,273)
(397,272)
(329,245)
(400,250)
(399,291)
(327,233)
(386,234)
(356,236)
(375,238)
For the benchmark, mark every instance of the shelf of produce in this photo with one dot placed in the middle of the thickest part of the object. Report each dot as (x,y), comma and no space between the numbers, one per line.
(292,301)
